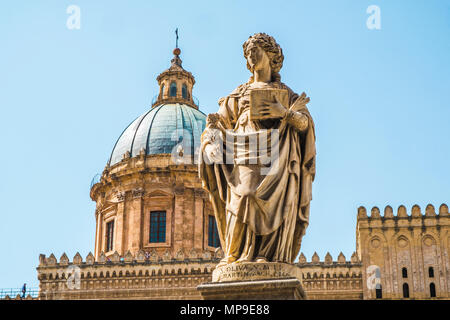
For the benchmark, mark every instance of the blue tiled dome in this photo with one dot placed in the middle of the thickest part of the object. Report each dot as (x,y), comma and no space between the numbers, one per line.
(160,130)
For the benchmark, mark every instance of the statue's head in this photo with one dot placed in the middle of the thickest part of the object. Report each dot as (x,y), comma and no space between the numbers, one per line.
(259,47)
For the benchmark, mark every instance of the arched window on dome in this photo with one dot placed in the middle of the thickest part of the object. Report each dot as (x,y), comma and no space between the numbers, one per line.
(157,226)
(432,290)
(173,89)
(184,91)
(379,292)
(405,290)
(404,273)
(213,234)
(161,94)
(110,236)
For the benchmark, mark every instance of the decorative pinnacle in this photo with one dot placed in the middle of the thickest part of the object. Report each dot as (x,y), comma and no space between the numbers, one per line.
(176,61)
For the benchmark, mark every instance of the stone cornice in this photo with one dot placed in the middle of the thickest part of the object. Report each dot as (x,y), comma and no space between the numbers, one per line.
(403,220)
(142,169)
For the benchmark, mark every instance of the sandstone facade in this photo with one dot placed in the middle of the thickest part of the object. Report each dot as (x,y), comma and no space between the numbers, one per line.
(168,275)
(133,188)
(411,251)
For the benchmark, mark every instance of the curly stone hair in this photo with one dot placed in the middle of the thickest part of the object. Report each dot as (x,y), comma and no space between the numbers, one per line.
(272,49)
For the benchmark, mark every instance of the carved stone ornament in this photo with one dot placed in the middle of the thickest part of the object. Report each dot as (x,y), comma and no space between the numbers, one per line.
(153,257)
(140,256)
(102,258)
(120,195)
(64,260)
(302,258)
(138,193)
(179,255)
(90,258)
(128,257)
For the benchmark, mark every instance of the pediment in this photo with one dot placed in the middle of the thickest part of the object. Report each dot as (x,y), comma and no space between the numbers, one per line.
(111,207)
(159,193)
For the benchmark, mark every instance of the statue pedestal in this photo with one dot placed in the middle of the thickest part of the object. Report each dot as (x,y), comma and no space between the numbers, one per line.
(254,281)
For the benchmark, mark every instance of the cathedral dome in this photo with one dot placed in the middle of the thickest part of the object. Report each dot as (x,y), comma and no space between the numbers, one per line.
(150,191)
(162,130)
(172,126)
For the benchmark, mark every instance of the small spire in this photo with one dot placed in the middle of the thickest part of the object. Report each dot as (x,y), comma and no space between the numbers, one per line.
(175,83)
(176,61)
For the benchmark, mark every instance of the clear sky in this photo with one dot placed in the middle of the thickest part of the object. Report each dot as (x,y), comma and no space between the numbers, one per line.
(379,98)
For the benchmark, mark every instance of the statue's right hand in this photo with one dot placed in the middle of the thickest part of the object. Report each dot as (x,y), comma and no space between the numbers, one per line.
(212,152)
(212,120)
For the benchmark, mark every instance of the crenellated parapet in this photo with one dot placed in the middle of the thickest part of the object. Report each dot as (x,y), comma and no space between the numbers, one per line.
(18,297)
(151,275)
(331,279)
(143,275)
(386,228)
(143,257)
(410,249)
(402,213)
(328,260)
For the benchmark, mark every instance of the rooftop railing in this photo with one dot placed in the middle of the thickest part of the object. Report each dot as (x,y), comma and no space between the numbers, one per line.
(13,292)
(95,179)
(194,99)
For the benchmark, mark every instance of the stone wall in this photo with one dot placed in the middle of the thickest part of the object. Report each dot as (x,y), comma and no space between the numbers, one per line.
(330,279)
(416,241)
(131,277)
(131,189)
(176,276)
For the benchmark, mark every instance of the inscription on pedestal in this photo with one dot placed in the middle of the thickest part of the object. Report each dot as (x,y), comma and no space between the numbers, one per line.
(255,271)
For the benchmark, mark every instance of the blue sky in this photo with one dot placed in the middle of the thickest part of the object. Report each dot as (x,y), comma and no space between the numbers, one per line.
(379,98)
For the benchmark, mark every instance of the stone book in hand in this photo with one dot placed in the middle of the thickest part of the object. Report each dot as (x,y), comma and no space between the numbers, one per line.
(258,96)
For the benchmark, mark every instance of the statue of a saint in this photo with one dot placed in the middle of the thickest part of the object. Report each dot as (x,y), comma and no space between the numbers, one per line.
(261,215)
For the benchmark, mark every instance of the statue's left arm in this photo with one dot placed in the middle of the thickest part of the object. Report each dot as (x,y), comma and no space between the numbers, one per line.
(297,119)
(297,115)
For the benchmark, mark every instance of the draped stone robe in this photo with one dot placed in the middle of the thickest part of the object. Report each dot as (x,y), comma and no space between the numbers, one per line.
(261,209)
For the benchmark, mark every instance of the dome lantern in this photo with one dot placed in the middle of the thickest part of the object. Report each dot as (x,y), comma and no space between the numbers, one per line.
(175,84)
(173,125)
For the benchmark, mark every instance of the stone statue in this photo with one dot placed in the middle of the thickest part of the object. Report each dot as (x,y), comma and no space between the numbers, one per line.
(261,215)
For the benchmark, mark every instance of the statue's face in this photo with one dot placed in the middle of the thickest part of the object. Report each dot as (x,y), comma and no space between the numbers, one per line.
(256,57)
